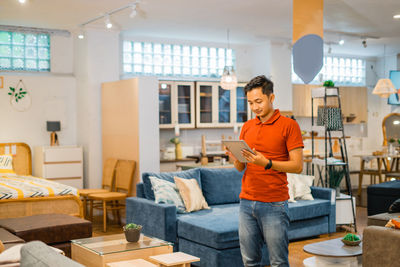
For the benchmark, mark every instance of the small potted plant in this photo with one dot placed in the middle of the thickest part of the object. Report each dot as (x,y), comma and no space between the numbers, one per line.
(132,232)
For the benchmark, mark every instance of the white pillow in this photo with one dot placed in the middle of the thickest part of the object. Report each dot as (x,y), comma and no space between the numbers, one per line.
(300,184)
(290,185)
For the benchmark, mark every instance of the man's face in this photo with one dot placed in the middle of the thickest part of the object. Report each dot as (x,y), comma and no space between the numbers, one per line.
(260,103)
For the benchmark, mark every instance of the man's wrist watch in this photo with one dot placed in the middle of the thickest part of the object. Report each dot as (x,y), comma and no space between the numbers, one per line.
(269,165)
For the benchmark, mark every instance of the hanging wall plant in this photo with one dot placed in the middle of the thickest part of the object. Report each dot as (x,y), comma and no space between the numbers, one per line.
(20,98)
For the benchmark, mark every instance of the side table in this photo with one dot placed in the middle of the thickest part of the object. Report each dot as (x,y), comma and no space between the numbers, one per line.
(333,253)
(177,259)
(98,251)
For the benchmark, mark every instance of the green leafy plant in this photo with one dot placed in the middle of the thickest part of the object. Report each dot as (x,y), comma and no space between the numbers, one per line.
(392,140)
(351,237)
(398,141)
(329,83)
(17,94)
(132,226)
(335,177)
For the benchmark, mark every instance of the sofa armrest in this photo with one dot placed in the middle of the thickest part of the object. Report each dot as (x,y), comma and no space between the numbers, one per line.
(380,246)
(158,220)
(329,194)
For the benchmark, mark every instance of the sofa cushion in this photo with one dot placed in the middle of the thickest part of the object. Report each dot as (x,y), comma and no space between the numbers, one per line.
(305,209)
(221,186)
(167,192)
(169,176)
(216,228)
(49,228)
(381,219)
(191,194)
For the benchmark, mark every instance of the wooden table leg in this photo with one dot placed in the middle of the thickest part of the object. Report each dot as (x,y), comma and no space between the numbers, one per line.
(380,169)
(360,178)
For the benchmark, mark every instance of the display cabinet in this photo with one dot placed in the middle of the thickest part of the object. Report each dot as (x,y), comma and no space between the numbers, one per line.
(216,107)
(176,104)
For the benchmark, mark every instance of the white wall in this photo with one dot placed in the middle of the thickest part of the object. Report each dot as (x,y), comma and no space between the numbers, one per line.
(53,98)
(96,61)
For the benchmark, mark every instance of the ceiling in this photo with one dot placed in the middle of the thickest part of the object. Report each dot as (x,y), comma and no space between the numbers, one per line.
(249,21)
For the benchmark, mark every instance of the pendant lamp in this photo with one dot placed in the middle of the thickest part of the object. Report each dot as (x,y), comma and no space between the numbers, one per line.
(384,87)
(228,79)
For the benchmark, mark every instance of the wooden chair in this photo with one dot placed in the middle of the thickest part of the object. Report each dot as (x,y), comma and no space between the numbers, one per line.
(123,188)
(107,183)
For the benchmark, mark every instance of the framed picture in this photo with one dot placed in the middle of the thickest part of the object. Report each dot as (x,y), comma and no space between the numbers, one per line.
(1,82)
(394,99)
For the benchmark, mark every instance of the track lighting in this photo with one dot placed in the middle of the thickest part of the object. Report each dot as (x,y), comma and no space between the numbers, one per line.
(107,22)
(364,43)
(134,11)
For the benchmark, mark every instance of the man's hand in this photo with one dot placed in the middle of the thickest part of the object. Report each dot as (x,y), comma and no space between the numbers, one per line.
(256,158)
(229,153)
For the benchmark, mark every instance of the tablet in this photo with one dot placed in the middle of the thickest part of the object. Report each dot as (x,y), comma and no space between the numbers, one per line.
(236,147)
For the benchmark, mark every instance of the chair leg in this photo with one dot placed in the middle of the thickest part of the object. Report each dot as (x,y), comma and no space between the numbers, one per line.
(91,210)
(84,207)
(104,216)
(118,215)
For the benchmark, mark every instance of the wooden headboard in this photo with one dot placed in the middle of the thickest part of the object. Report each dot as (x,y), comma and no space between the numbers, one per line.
(22,156)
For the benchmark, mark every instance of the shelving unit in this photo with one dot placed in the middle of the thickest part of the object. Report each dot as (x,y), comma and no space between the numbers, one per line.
(329,162)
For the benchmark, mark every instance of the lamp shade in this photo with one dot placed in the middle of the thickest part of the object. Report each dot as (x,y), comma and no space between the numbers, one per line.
(228,79)
(384,88)
(53,126)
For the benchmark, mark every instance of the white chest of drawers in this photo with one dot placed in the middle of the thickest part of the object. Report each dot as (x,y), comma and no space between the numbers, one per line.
(62,164)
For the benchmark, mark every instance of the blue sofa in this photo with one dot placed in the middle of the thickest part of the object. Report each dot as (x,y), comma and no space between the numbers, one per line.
(212,234)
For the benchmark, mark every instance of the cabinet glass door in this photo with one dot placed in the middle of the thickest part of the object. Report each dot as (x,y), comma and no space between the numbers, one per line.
(224,105)
(184,105)
(205,104)
(164,101)
(241,105)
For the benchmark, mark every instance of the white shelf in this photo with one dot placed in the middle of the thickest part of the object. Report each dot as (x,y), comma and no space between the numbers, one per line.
(320,92)
(330,162)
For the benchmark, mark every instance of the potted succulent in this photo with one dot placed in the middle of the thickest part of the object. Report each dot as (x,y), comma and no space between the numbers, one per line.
(132,232)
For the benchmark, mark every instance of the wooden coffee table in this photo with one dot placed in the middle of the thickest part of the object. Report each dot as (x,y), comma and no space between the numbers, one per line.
(98,251)
(333,253)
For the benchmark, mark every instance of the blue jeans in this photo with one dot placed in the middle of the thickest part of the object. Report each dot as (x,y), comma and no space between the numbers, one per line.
(264,221)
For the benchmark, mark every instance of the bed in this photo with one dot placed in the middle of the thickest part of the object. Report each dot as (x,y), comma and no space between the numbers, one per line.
(22,204)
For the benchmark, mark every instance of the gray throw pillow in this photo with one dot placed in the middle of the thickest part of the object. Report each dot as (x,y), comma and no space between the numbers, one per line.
(395,207)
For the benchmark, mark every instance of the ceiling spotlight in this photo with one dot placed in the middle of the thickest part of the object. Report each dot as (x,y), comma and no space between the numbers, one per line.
(134,11)
(108,22)
(341,42)
(364,43)
(22,1)
(397,16)
(81,36)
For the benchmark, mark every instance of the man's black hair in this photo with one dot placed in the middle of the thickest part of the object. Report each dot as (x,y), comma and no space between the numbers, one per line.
(260,82)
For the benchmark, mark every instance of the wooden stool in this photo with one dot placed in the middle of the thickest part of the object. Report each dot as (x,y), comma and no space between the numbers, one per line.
(131,263)
(177,259)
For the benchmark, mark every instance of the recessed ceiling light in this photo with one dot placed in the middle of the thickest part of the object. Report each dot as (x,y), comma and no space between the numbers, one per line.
(397,16)
(341,42)
(22,1)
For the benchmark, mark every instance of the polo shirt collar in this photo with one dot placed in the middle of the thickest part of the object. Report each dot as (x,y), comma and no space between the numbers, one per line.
(271,120)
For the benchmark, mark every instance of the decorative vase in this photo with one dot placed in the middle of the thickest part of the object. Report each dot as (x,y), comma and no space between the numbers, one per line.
(337,191)
(178,151)
(132,235)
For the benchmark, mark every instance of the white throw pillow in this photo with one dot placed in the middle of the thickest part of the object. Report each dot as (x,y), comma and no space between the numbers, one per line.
(291,187)
(301,186)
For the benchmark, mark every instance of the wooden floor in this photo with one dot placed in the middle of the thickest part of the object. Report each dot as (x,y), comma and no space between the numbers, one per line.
(296,253)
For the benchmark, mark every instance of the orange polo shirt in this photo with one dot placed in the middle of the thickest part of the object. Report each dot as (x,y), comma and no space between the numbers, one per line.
(274,139)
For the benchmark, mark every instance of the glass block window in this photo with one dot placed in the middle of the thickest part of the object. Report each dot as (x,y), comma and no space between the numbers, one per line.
(143,58)
(341,70)
(24,51)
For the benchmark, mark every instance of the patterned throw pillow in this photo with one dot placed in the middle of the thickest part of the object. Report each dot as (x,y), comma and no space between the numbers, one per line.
(6,164)
(167,192)
(191,194)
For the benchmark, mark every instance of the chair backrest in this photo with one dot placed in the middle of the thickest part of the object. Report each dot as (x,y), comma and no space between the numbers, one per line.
(391,127)
(124,176)
(109,173)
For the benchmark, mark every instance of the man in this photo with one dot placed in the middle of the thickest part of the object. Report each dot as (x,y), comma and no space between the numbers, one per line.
(278,147)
